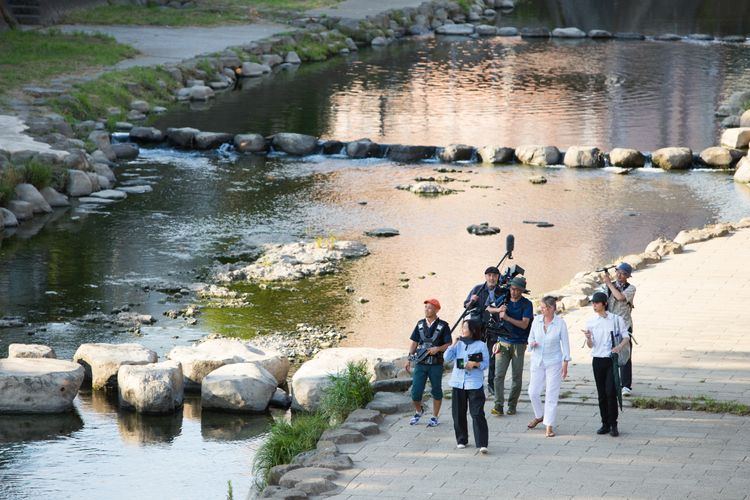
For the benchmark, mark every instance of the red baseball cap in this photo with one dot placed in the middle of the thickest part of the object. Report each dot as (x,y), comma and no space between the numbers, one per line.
(434,302)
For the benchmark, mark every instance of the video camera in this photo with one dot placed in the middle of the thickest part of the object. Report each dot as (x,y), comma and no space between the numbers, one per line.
(489,324)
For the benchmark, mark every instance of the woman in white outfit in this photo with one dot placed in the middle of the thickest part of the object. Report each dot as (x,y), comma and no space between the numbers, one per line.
(548,340)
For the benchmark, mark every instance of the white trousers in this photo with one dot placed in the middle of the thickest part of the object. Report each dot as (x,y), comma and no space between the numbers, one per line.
(551,377)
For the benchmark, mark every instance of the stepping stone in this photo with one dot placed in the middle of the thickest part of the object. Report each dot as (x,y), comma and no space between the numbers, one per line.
(142,189)
(365,415)
(102,361)
(390,403)
(291,478)
(38,385)
(327,460)
(274,475)
(392,385)
(242,387)
(155,388)
(110,194)
(280,493)
(342,436)
(366,428)
(31,351)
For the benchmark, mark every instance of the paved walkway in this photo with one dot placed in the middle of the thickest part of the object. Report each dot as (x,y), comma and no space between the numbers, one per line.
(691,320)
(359,9)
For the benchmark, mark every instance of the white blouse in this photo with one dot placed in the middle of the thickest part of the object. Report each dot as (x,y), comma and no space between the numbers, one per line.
(554,346)
(601,328)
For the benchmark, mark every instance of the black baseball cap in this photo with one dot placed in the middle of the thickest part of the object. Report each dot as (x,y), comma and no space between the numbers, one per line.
(492,270)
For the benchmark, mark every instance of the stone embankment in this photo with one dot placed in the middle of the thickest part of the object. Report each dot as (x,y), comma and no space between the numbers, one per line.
(89,177)
(578,291)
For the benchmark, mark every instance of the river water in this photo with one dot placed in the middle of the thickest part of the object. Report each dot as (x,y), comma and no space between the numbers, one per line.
(205,206)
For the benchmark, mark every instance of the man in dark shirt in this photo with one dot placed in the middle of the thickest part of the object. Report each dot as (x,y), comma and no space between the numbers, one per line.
(480,297)
(430,338)
(511,344)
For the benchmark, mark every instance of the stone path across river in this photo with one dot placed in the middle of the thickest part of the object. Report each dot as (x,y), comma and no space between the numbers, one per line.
(691,320)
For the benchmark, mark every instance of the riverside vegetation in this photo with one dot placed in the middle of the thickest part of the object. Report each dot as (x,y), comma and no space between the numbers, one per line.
(349,389)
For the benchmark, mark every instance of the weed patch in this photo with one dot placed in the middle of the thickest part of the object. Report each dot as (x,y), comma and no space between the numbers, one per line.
(693,403)
(348,391)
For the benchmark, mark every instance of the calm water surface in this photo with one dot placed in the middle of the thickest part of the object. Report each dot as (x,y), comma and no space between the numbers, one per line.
(504,91)
(432,91)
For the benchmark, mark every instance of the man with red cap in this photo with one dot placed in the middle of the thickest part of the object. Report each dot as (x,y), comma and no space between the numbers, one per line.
(430,338)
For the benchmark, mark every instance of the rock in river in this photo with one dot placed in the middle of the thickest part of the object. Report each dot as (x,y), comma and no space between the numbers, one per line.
(101,361)
(383,232)
(538,155)
(245,387)
(295,144)
(627,158)
(31,351)
(293,261)
(28,193)
(38,385)
(152,388)
(672,158)
(482,229)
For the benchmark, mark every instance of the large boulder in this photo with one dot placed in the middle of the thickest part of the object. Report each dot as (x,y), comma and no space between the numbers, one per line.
(201,359)
(363,148)
(211,140)
(146,134)
(742,174)
(31,351)
(102,141)
(568,33)
(627,158)
(717,156)
(79,183)
(152,388)
(745,118)
(23,210)
(538,155)
(8,218)
(495,154)
(250,143)
(54,198)
(201,93)
(688,236)
(183,137)
(295,144)
(456,29)
(245,387)
(583,156)
(409,154)
(314,375)
(126,150)
(38,385)
(253,70)
(457,152)
(102,361)
(672,158)
(736,137)
(30,194)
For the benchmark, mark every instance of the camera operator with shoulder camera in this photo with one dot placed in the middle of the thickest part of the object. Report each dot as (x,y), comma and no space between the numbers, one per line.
(620,295)
(516,316)
(480,297)
(430,338)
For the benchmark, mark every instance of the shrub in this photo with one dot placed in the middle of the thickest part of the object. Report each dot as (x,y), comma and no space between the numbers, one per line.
(349,390)
(10,177)
(693,403)
(285,441)
(38,174)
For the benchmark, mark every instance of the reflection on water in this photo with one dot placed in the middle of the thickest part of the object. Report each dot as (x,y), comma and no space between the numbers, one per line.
(18,428)
(173,457)
(504,91)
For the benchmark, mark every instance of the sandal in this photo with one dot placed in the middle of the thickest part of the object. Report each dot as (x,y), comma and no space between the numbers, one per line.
(550,433)
(535,422)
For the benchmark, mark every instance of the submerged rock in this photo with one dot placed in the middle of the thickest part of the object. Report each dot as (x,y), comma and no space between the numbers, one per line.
(293,261)
(429,188)
(482,229)
(383,232)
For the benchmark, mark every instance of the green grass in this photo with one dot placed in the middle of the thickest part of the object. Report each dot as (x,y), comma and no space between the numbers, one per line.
(694,403)
(38,174)
(8,179)
(29,56)
(203,13)
(349,390)
(286,440)
(115,89)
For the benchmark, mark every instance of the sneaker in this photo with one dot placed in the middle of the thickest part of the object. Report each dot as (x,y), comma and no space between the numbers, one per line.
(483,450)
(604,429)
(434,422)
(460,446)
(498,412)
(415,419)
(626,391)
(511,411)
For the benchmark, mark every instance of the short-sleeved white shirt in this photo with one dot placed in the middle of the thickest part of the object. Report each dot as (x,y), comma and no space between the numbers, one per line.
(600,328)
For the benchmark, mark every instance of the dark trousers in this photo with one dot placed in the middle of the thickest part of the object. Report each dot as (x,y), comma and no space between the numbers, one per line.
(605,389)
(627,371)
(491,371)
(473,400)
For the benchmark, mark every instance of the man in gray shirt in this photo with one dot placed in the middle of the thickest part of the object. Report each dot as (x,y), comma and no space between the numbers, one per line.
(620,296)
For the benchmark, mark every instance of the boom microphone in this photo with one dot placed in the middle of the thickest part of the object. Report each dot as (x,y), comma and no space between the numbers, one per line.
(510,242)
